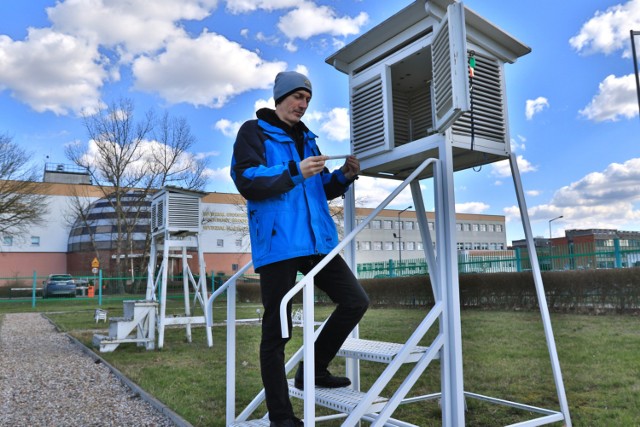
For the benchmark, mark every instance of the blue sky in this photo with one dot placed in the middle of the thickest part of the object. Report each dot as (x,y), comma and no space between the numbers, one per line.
(573,109)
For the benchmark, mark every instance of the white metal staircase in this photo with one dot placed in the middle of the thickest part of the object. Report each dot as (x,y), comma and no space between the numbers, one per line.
(354,405)
(137,325)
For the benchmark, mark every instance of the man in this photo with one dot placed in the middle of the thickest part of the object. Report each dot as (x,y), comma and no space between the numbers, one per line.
(279,169)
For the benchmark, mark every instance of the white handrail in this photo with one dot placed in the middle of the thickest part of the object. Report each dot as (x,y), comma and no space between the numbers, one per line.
(217,292)
(314,271)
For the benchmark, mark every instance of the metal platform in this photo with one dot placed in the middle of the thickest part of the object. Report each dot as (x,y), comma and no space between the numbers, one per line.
(377,351)
(343,399)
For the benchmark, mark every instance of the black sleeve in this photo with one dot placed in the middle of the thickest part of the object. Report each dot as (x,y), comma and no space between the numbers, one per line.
(249,170)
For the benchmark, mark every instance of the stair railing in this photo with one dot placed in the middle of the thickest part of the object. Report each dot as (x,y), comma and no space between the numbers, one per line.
(309,332)
(308,311)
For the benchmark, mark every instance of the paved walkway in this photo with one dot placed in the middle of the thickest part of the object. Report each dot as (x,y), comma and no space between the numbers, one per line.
(47,380)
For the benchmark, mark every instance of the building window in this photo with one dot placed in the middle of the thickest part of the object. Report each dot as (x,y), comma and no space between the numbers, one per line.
(420,247)
(476,246)
(411,246)
(483,227)
(498,228)
(388,246)
(467,246)
(220,243)
(475,227)
(377,246)
(35,240)
(375,224)
(484,246)
(388,224)
(491,228)
(408,225)
(460,246)
(458,226)
(366,246)
(431,226)
(466,227)
(238,243)
(234,267)
(7,241)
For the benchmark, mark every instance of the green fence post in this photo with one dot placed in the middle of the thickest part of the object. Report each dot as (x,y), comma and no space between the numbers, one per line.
(391,268)
(100,287)
(518,260)
(618,253)
(33,291)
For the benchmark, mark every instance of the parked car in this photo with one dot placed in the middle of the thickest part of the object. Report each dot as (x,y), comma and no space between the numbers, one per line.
(59,285)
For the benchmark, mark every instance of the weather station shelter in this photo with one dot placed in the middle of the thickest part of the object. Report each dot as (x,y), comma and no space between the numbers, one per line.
(409,83)
(428,98)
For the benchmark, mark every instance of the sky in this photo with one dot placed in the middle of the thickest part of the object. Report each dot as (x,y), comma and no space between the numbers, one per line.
(572,102)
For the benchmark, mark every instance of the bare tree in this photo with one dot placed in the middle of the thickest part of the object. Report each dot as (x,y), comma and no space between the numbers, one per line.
(22,204)
(172,163)
(129,160)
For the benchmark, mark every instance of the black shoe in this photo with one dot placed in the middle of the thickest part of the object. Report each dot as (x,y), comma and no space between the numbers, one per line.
(290,422)
(323,379)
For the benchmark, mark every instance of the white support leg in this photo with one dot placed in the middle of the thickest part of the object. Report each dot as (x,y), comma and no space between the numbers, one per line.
(452,387)
(542,299)
(151,270)
(202,288)
(185,290)
(352,364)
(423,225)
(163,293)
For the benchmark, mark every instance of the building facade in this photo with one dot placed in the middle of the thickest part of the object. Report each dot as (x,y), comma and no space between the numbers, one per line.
(59,245)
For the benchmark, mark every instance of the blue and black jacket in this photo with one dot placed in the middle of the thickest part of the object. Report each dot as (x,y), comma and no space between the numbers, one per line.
(288,214)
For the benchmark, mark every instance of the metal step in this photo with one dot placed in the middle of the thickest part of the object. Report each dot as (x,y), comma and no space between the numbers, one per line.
(377,351)
(343,399)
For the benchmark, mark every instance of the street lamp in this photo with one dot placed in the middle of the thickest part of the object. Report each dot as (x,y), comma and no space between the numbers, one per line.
(399,236)
(635,34)
(550,221)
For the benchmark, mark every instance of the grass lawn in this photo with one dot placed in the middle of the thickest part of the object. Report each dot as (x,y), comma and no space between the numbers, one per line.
(505,356)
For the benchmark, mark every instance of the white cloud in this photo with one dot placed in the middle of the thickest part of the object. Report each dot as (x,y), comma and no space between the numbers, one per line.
(130,26)
(207,71)
(502,169)
(533,193)
(535,106)
(310,20)
(607,199)
(227,127)
(264,103)
(222,178)
(51,71)
(518,143)
(608,31)
(472,207)
(245,6)
(334,123)
(372,191)
(616,98)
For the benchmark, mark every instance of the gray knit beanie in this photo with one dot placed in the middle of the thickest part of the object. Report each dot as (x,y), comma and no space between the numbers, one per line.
(288,82)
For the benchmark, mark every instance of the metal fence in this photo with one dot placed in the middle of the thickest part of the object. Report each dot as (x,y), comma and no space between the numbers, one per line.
(555,258)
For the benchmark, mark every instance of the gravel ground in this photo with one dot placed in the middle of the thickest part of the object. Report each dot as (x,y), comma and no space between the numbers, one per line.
(46,380)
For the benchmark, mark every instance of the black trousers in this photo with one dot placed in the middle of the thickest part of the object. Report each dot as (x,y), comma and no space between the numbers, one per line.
(339,283)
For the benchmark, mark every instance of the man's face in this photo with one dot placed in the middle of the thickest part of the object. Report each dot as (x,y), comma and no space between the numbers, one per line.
(291,109)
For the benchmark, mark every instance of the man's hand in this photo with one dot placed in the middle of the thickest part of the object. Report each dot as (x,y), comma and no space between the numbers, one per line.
(351,167)
(312,165)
